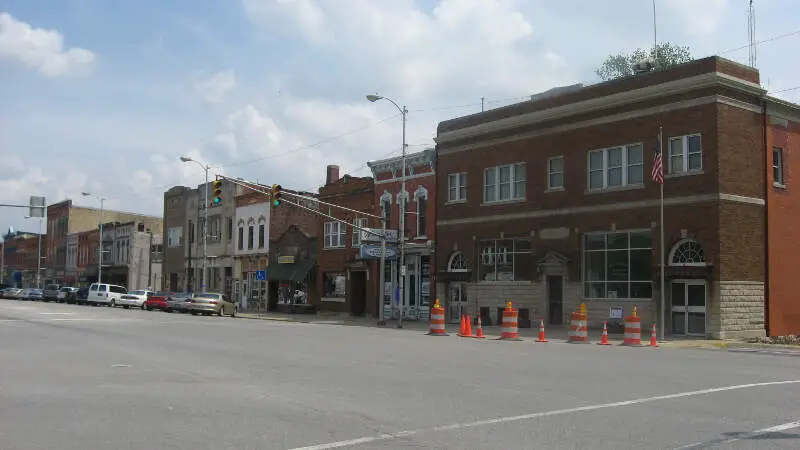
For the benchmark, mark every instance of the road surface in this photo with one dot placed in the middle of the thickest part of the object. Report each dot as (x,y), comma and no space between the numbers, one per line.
(76,377)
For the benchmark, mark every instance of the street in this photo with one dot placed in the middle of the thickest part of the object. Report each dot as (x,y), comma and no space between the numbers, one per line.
(76,377)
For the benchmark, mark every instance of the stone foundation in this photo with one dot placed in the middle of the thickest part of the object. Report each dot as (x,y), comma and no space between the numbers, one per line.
(738,311)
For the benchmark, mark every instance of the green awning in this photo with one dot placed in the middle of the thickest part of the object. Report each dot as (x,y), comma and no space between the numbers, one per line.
(291,272)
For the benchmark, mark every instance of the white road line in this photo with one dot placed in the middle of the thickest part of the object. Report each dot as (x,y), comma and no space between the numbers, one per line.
(750,435)
(57,313)
(557,412)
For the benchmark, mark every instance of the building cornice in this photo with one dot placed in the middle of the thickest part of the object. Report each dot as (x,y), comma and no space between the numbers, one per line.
(656,91)
(425,157)
(783,109)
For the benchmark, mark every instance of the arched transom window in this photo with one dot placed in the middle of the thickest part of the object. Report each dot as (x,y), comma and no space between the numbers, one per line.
(457,263)
(687,253)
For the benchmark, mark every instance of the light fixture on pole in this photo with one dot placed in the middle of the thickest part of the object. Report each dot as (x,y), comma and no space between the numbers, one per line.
(403,205)
(205,167)
(100,251)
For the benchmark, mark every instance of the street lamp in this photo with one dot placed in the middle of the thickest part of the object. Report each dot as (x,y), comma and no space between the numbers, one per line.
(38,255)
(402,206)
(205,220)
(100,248)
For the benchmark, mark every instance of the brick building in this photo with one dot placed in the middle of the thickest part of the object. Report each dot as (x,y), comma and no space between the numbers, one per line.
(345,282)
(175,272)
(419,233)
(549,203)
(20,250)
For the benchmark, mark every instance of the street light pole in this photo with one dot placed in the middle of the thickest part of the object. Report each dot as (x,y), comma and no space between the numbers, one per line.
(402,205)
(205,167)
(100,248)
(38,254)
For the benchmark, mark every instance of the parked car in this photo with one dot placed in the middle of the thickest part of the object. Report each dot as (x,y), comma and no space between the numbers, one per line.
(31,294)
(134,298)
(105,294)
(81,295)
(51,292)
(11,292)
(67,294)
(208,303)
(179,301)
(157,300)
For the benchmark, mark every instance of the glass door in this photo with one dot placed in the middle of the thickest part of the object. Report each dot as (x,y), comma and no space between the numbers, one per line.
(457,301)
(411,305)
(688,307)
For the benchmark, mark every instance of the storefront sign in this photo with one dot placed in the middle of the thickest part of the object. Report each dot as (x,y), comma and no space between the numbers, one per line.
(286,259)
(374,235)
(374,252)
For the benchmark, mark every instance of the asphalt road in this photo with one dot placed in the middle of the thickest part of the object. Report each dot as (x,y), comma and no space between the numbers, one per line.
(75,377)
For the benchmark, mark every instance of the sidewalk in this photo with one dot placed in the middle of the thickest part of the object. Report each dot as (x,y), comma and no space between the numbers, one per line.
(553,334)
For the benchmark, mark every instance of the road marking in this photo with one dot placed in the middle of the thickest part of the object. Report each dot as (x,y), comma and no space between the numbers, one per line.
(750,435)
(57,313)
(557,412)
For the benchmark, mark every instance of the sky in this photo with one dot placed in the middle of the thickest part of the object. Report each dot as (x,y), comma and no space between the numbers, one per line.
(104,96)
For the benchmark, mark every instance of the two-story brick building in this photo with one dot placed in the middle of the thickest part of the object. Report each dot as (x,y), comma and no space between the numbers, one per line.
(550,202)
(419,234)
(345,282)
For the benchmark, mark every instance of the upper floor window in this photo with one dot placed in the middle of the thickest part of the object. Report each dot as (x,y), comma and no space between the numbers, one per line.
(261,234)
(504,183)
(250,236)
(358,224)
(777,167)
(386,207)
(457,187)
(191,232)
(230,229)
(616,167)
(335,235)
(402,201)
(241,237)
(505,260)
(421,197)
(685,153)
(555,173)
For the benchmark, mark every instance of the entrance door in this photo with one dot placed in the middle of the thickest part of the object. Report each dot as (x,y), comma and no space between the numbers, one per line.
(457,302)
(358,292)
(555,299)
(688,307)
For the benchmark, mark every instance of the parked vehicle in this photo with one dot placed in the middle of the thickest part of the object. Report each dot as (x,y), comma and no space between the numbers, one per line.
(136,299)
(105,294)
(51,292)
(157,300)
(67,294)
(179,301)
(80,296)
(31,294)
(208,303)
(11,292)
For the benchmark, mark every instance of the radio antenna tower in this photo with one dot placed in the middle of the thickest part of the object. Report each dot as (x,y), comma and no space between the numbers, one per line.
(751,34)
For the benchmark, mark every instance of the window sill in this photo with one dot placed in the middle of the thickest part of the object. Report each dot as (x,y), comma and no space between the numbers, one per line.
(779,185)
(554,189)
(506,283)
(687,173)
(630,187)
(504,202)
(334,248)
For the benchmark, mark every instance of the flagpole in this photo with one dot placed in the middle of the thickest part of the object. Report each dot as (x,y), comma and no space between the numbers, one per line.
(661,228)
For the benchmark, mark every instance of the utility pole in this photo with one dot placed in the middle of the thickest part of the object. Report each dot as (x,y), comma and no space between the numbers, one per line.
(2,261)
(150,263)
(205,233)
(382,275)
(402,232)
(39,258)
(482,104)
(100,251)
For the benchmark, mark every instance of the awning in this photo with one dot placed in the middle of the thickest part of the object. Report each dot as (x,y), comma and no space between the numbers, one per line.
(291,272)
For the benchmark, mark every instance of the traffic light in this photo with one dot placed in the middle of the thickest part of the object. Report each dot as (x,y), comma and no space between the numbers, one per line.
(276,195)
(216,197)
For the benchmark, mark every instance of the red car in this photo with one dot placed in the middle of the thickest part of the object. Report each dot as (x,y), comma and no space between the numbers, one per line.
(157,300)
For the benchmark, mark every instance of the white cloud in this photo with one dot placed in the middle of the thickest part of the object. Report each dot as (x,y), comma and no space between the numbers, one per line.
(215,88)
(41,49)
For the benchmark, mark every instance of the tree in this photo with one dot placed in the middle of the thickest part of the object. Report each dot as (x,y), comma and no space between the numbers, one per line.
(621,65)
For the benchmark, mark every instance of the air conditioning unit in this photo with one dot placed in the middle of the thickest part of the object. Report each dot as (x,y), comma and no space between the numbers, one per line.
(643,66)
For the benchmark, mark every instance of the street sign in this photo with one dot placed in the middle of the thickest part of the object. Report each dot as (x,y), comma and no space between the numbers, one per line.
(374,235)
(374,252)
(261,275)
(36,206)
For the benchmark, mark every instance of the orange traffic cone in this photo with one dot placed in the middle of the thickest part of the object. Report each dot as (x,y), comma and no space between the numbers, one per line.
(479,329)
(463,328)
(541,332)
(653,342)
(604,337)
(468,332)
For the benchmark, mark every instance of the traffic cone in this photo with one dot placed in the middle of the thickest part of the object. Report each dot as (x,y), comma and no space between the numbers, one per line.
(653,342)
(468,332)
(463,327)
(541,332)
(479,329)
(604,337)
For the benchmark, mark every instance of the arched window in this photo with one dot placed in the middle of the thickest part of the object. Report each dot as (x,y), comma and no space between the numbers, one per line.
(402,201)
(687,253)
(421,197)
(457,263)
(386,207)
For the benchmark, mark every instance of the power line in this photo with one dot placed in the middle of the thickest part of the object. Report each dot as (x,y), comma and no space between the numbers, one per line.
(785,90)
(773,38)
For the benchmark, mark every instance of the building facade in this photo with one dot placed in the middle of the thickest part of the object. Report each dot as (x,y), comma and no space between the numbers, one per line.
(345,282)
(20,251)
(251,228)
(175,272)
(550,203)
(128,256)
(419,233)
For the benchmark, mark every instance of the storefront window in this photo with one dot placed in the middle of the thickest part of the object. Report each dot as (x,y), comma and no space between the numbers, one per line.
(505,260)
(618,265)
(334,285)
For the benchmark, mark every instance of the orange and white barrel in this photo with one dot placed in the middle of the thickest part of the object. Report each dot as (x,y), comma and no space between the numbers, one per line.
(578,328)
(437,326)
(633,330)
(509,330)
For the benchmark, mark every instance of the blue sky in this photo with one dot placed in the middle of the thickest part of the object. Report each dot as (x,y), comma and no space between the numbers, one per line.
(105,95)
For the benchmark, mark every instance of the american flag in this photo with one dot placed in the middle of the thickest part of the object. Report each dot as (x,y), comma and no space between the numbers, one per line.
(657,174)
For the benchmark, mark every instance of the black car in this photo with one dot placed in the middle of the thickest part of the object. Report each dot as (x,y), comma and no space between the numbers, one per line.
(82,295)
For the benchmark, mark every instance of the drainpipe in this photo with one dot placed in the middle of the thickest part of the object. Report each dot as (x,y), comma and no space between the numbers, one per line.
(765,156)
(435,256)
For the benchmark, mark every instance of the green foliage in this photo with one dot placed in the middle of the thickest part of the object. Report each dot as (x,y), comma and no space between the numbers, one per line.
(621,65)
